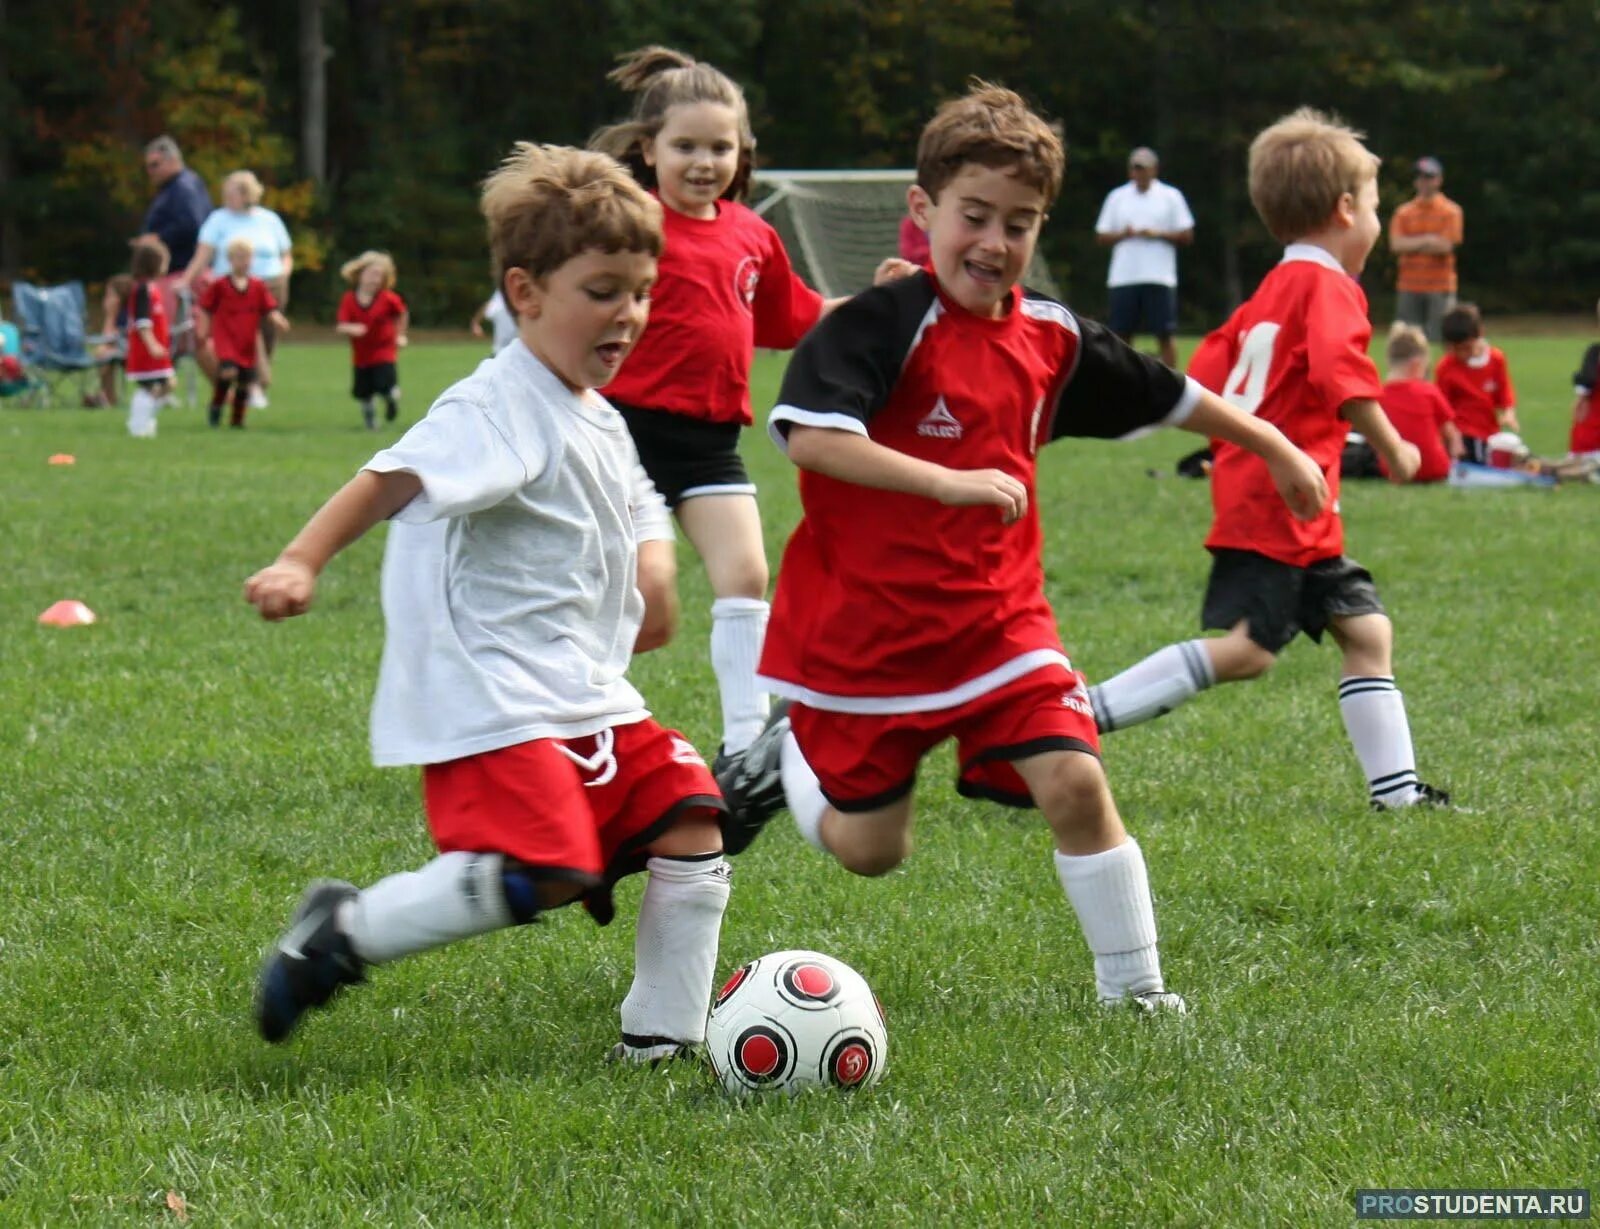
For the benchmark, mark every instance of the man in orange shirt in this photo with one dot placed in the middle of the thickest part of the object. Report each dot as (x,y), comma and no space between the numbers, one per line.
(1424,233)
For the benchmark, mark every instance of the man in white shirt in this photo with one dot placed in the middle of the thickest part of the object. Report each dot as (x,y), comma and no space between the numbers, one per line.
(1143,222)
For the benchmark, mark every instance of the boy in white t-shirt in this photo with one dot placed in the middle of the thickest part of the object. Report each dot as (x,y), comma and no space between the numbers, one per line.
(501,320)
(512,608)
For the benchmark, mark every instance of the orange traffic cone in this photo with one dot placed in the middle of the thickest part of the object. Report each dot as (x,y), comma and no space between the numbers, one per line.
(67,614)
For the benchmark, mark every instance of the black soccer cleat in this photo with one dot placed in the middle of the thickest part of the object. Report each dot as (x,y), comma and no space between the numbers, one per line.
(309,964)
(1427,796)
(653,1052)
(752,783)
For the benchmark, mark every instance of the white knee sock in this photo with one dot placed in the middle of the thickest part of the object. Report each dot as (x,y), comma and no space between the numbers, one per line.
(1154,686)
(1374,715)
(141,414)
(1110,892)
(455,896)
(738,626)
(803,792)
(675,950)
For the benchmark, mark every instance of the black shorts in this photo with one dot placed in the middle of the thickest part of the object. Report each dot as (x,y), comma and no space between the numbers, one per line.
(1279,600)
(378,380)
(1148,307)
(1476,450)
(232,373)
(687,456)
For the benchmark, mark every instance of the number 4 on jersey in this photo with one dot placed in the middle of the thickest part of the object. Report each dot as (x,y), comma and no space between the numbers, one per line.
(1247,382)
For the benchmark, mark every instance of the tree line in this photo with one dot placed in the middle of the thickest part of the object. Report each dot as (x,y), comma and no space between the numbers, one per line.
(372,121)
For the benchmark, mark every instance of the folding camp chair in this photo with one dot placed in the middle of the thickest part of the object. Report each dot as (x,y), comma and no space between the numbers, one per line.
(55,349)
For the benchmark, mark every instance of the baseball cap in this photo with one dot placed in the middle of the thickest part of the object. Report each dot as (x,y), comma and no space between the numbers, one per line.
(1429,166)
(1143,156)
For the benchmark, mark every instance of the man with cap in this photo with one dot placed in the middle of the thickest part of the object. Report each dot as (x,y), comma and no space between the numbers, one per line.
(1142,222)
(1424,234)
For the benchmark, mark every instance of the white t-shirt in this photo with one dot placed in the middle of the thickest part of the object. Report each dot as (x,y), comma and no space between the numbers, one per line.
(510,595)
(1138,262)
(499,314)
(269,239)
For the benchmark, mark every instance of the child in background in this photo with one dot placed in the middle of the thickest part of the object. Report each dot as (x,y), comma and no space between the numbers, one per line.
(726,287)
(910,606)
(1295,355)
(1585,439)
(112,351)
(1474,379)
(149,363)
(374,318)
(229,313)
(517,510)
(501,321)
(1416,408)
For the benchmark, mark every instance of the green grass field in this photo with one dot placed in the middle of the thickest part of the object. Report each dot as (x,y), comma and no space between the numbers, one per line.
(1392,1000)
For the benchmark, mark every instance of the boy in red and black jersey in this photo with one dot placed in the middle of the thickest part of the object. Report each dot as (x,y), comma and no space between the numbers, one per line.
(1295,355)
(374,318)
(231,310)
(149,361)
(910,604)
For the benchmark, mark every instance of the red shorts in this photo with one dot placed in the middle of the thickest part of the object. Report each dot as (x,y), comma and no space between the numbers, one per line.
(868,761)
(584,807)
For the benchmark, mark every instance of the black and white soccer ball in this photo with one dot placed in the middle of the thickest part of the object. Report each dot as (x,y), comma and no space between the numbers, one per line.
(794,1020)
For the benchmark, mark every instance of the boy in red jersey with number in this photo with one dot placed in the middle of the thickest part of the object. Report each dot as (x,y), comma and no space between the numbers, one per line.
(374,318)
(1295,355)
(1417,408)
(1475,380)
(910,605)
(149,361)
(230,312)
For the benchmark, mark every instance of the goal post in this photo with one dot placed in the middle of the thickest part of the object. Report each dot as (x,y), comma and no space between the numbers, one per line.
(837,225)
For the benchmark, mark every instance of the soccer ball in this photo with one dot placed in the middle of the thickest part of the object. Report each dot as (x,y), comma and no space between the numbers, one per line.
(794,1020)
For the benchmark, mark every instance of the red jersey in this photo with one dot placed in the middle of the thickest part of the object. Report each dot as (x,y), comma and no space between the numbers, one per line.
(725,286)
(1418,411)
(1586,422)
(894,603)
(1475,389)
(148,311)
(236,317)
(1293,354)
(381,316)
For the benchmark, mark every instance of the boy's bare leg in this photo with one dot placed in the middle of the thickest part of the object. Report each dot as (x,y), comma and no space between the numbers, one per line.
(1102,871)
(726,532)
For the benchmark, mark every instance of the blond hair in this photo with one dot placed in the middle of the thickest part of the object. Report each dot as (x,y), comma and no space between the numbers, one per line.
(549,203)
(351,270)
(663,79)
(993,127)
(1301,166)
(239,243)
(247,180)
(1406,342)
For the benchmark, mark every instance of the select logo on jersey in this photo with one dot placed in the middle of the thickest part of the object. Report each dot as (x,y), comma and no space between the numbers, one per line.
(684,753)
(746,278)
(940,423)
(1078,701)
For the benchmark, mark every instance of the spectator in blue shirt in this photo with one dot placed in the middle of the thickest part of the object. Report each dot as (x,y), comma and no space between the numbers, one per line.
(181,202)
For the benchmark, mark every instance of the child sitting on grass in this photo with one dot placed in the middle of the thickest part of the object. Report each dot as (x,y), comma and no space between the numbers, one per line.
(1417,408)
(1475,380)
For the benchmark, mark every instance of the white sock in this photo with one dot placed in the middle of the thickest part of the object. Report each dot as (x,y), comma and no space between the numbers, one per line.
(1156,685)
(1374,715)
(675,950)
(738,626)
(141,414)
(803,792)
(455,896)
(1110,892)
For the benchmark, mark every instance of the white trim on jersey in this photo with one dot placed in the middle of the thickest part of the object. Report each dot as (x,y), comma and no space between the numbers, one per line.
(721,488)
(833,420)
(992,680)
(935,310)
(1049,309)
(142,377)
(1176,416)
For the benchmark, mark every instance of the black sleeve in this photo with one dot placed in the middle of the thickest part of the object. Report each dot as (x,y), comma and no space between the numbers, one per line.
(141,302)
(1589,369)
(845,368)
(1111,390)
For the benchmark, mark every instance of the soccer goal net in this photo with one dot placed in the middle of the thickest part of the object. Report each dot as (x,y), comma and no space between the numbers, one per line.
(837,225)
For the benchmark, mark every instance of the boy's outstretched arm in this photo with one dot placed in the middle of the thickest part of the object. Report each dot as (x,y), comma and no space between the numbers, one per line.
(284,588)
(854,458)
(1400,456)
(1297,476)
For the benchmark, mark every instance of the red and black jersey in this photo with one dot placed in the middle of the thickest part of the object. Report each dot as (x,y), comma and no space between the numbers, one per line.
(1475,389)
(894,603)
(725,286)
(236,314)
(1293,354)
(148,311)
(382,318)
